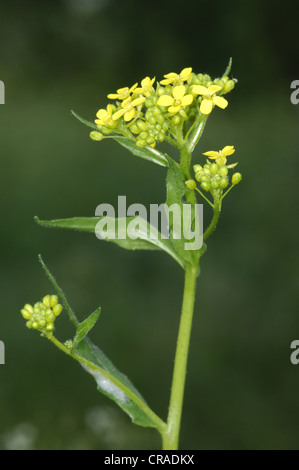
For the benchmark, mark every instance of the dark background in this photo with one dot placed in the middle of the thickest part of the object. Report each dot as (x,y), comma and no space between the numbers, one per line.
(242,390)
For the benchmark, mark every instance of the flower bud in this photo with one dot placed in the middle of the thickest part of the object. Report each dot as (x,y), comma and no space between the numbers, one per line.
(134,129)
(223,183)
(197,168)
(95,135)
(214,168)
(214,184)
(236,178)
(143,135)
(141,125)
(57,309)
(25,314)
(190,184)
(141,143)
(47,300)
(228,86)
(176,120)
(29,308)
(223,171)
(206,186)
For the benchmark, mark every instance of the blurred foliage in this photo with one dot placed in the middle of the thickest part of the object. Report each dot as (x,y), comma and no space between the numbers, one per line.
(241,388)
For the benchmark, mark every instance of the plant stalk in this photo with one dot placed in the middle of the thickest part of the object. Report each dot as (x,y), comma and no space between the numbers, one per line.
(170,437)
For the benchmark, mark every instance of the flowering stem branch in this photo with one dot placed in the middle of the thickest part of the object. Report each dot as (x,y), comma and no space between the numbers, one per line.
(170,437)
(213,224)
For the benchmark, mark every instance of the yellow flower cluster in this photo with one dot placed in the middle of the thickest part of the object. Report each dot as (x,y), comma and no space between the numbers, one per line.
(149,114)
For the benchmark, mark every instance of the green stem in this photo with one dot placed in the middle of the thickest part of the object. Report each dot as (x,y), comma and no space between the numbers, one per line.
(185,162)
(202,195)
(213,224)
(170,436)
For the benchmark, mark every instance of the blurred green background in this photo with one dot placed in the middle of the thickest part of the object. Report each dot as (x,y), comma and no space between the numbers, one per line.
(242,390)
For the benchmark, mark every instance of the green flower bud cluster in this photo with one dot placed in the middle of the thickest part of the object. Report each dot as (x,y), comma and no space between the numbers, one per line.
(201,79)
(152,129)
(226,84)
(211,176)
(206,81)
(41,316)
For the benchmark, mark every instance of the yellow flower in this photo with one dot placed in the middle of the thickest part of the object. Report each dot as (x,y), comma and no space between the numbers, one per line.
(177,101)
(105,117)
(128,109)
(220,157)
(177,79)
(122,93)
(210,98)
(146,87)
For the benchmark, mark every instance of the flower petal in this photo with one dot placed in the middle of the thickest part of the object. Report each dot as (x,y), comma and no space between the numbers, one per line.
(187,99)
(214,88)
(129,115)
(206,106)
(211,154)
(112,96)
(167,81)
(101,114)
(118,114)
(165,100)
(123,91)
(171,75)
(228,150)
(200,90)
(174,109)
(178,92)
(138,101)
(221,102)
(132,87)
(126,102)
(185,73)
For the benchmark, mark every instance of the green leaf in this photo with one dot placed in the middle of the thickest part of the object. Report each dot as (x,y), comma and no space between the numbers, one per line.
(84,327)
(197,131)
(124,228)
(175,183)
(116,385)
(148,153)
(84,121)
(60,293)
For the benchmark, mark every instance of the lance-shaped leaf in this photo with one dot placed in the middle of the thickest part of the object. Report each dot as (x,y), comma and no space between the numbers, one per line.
(114,384)
(84,327)
(131,233)
(148,153)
